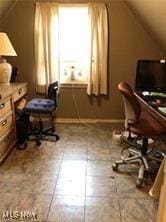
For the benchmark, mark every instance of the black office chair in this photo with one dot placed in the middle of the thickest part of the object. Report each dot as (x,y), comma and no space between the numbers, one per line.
(143,125)
(44,107)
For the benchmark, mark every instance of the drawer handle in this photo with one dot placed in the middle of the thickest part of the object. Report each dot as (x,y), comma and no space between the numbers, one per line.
(4,123)
(19,91)
(2,105)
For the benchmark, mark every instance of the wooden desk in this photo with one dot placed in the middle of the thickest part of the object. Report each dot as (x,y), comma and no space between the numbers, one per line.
(9,95)
(159,186)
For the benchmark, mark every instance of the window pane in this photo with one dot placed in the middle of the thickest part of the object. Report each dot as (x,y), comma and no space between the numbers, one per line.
(74,43)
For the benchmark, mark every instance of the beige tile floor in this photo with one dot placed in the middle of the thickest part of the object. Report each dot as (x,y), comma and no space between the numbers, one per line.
(72,180)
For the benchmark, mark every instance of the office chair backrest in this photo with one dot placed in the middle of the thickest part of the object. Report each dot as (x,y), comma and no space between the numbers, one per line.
(53,92)
(131,103)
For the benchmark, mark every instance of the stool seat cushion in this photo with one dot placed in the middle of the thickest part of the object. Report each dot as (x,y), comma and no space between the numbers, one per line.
(40,106)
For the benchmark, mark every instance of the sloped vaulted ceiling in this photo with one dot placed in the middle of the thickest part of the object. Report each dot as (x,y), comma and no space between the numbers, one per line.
(152,15)
(5,6)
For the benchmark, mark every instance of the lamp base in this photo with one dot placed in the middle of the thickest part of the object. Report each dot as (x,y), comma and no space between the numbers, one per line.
(5,72)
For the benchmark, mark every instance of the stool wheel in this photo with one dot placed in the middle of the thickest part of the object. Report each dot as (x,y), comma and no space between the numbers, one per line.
(57,137)
(139,183)
(115,166)
(38,143)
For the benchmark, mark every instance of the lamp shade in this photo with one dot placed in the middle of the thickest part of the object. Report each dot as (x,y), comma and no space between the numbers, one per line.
(6,48)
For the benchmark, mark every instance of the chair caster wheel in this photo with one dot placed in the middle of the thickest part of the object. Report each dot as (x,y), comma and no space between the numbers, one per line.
(53,130)
(139,183)
(115,166)
(57,137)
(38,143)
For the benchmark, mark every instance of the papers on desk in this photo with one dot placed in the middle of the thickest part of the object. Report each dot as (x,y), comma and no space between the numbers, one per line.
(162,110)
(154,94)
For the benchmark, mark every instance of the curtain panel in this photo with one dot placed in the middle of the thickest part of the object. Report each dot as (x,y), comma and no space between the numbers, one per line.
(97,82)
(46,45)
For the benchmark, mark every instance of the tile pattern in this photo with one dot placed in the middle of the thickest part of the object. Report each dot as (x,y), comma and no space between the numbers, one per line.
(72,180)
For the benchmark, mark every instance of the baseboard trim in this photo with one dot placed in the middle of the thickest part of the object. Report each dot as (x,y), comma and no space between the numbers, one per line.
(73,120)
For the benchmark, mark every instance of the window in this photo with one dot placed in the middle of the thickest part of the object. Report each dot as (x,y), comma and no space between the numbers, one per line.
(73,44)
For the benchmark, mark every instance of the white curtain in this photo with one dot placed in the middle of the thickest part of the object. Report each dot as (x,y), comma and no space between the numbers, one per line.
(97,82)
(46,44)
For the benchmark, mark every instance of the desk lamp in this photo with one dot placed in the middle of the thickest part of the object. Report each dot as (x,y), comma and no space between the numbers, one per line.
(6,49)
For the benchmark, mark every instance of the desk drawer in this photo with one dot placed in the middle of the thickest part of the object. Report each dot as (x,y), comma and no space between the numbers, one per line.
(5,107)
(7,142)
(20,93)
(6,124)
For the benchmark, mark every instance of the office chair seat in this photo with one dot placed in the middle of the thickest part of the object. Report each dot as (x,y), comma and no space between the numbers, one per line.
(147,126)
(40,106)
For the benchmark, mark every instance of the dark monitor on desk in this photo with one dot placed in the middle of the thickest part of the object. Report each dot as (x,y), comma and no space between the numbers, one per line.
(151,76)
